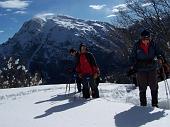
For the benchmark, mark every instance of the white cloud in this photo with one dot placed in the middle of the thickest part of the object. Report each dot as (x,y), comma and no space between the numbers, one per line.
(20,12)
(120,7)
(145,5)
(115,9)
(97,7)
(44,14)
(8,10)
(3,14)
(1,31)
(112,15)
(15,4)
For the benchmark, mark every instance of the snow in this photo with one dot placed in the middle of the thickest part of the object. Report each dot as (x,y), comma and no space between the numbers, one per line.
(48,106)
(44,16)
(63,21)
(17,61)
(23,67)
(9,65)
(18,67)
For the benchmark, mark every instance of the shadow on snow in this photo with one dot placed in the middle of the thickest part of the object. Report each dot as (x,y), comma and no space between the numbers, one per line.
(137,116)
(59,108)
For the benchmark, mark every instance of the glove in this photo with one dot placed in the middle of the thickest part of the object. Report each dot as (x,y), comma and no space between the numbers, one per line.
(160,61)
(80,75)
(95,76)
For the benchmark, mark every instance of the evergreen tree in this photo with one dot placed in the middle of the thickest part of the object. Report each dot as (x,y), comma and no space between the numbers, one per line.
(14,74)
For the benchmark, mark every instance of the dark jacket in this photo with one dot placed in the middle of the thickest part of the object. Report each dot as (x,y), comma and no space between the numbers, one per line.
(145,62)
(77,57)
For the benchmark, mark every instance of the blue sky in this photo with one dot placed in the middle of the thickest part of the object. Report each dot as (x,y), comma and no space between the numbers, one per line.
(13,13)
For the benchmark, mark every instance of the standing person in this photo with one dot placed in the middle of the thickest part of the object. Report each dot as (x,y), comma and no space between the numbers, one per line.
(76,54)
(143,61)
(88,71)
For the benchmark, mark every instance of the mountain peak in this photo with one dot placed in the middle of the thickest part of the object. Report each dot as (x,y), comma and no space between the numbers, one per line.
(52,16)
(64,21)
(46,40)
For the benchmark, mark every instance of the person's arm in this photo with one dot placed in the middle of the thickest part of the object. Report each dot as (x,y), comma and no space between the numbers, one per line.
(160,54)
(77,66)
(91,58)
(93,63)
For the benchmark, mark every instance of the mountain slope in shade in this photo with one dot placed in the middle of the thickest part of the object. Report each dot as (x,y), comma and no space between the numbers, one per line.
(43,43)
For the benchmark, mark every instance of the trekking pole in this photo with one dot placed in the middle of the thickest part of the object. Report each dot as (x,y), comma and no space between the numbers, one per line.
(74,86)
(166,86)
(166,81)
(88,80)
(75,82)
(166,94)
(67,91)
(67,88)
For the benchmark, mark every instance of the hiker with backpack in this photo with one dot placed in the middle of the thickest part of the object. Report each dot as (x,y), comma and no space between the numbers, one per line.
(143,61)
(88,71)
(75,53)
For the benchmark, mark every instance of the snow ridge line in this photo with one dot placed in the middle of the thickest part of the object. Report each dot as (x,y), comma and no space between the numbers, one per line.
(36,89)
(14,96)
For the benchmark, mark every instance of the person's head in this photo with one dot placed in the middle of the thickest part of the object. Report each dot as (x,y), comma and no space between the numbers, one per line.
(73,52)
(145,37)
(83,48)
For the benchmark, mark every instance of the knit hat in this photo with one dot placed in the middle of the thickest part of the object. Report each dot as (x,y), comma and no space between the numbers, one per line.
(81,45)
(72,50)
(145,34)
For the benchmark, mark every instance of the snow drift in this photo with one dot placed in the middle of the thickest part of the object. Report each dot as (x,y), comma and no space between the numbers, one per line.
(48,106)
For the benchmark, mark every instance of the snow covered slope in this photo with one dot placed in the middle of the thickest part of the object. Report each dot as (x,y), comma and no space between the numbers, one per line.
(47,106)
(43,43)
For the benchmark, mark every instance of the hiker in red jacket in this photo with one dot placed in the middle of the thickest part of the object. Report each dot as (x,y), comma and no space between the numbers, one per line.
(88,71)
(76,54)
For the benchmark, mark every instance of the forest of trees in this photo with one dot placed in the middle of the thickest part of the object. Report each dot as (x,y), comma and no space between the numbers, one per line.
(153,15)
(135,16)
(14,74)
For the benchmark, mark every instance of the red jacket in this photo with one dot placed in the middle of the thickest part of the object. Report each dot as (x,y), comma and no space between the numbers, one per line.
(144,47)
(85,66)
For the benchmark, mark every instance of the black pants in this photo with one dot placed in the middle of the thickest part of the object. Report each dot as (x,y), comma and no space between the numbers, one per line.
(97,81)
(145,79)
(88,82)
(79,82)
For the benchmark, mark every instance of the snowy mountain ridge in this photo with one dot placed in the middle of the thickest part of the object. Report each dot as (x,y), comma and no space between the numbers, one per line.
(46,41)
(49,25)
(71,22)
